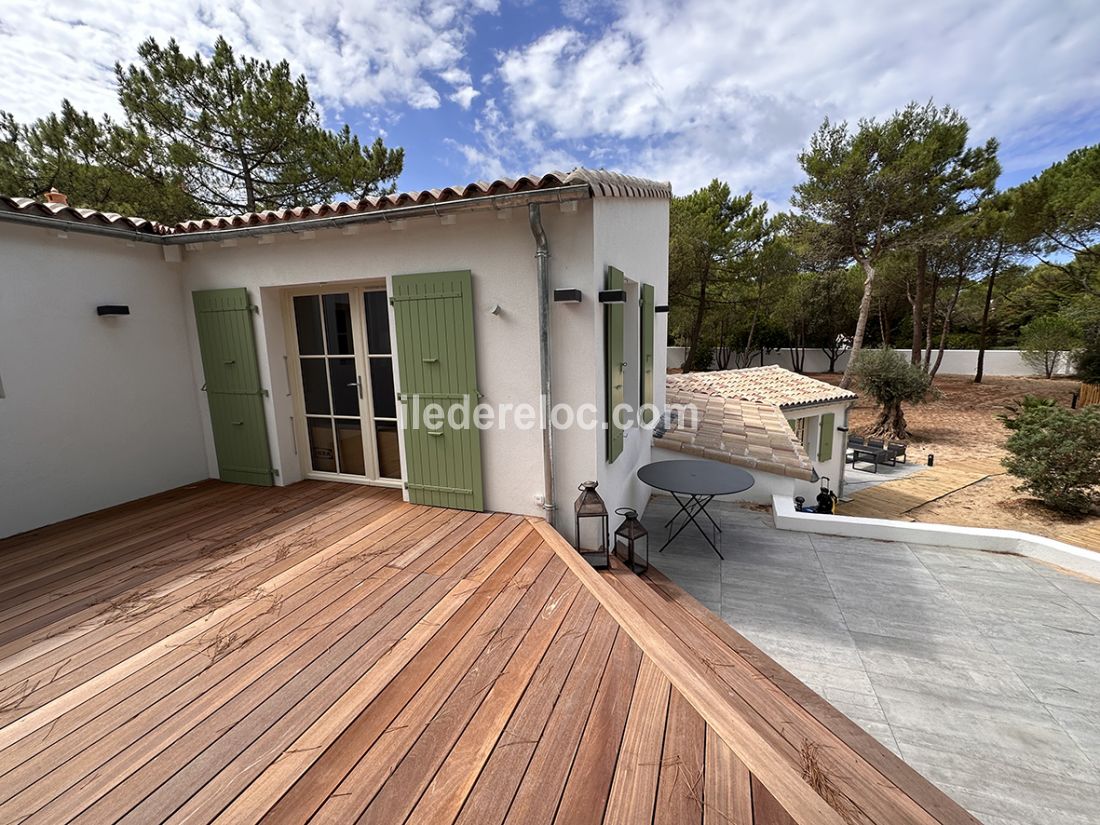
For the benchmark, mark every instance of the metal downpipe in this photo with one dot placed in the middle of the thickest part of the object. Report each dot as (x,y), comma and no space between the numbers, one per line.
(542,272)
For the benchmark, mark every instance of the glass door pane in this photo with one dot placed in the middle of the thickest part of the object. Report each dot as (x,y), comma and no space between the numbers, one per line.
(382,392)
(331,384)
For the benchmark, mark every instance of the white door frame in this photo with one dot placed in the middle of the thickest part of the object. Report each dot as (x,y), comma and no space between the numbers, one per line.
(355,291)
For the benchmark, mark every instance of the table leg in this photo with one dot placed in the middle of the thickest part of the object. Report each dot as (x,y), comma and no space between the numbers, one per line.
(702,507)
(700,503)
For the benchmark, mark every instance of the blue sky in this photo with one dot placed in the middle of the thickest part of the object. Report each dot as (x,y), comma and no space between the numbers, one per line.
(683,91)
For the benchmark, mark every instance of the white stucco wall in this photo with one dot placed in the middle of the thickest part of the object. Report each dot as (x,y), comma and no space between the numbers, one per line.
(632,235)
(96,411)
(102,411)
(834,466)
(955,361)
(500,254)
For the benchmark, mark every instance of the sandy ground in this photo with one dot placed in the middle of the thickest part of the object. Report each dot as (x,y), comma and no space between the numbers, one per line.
(963,425)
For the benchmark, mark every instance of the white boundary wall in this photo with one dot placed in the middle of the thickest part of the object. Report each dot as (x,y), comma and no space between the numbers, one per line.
(955,361)
(1069,556)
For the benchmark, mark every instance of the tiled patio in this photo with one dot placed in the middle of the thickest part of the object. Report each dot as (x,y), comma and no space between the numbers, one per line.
(981,670)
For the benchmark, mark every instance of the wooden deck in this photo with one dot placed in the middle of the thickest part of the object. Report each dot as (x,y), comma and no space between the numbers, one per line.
(894,499)
(328,653)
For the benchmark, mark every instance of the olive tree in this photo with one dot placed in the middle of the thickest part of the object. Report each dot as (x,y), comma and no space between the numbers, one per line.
(892,381)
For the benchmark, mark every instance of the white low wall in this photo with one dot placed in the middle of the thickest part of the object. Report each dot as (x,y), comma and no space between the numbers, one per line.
(1069,556)
(955,361)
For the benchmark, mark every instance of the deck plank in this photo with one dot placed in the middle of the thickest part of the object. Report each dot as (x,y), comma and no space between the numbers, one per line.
(680,784)
(727,791)
(593,768)
(634,787)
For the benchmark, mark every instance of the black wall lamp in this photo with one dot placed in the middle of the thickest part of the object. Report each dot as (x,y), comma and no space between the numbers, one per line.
(612,296)
(112,309)
(567,296)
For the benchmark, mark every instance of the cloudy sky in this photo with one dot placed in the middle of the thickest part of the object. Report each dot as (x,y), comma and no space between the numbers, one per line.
(681,91)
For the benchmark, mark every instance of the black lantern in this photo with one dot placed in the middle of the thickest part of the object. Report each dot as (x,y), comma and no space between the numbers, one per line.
(628,540)
(589,507)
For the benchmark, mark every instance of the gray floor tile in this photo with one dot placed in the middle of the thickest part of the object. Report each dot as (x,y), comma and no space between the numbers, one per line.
(980,669)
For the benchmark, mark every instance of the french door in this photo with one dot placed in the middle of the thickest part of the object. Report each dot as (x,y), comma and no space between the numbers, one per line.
(346,402)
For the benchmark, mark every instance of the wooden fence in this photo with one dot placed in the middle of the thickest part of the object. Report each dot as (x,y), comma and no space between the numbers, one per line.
(1090,394)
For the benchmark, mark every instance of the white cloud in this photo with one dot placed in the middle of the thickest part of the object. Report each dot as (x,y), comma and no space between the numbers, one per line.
(733,88)
(354,53)
(464,96)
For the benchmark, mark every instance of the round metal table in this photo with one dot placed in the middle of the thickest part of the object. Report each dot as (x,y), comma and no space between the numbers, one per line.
(694,482)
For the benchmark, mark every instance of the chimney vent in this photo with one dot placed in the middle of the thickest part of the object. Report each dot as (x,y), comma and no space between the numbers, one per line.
(53,196)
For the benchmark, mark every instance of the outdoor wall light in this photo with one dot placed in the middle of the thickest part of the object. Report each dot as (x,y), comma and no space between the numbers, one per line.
(612,296)
(112,309)
(567,296)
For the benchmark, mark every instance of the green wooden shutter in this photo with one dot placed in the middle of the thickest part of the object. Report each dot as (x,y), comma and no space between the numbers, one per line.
(614,366)
(434,315)
(227,345)
(648,316)
(825,442)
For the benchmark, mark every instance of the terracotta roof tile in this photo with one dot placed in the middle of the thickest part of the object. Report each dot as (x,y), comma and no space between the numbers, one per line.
(601,184)
(735,430)
(62,212)
(768,385)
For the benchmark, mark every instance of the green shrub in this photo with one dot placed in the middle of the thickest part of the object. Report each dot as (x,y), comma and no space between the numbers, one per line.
(1015,409)
(1053,450)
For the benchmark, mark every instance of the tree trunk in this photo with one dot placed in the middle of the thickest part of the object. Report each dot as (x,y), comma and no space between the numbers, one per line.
(948,318)
(697,324)
(983,335)
(249,183)
(890,423)
(918,304)
(861,324)
(798,353)
(930,321)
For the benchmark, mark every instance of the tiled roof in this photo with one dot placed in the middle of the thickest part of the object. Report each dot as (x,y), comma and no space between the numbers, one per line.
(601,184)
(62,212)
(769,385)
(734,430)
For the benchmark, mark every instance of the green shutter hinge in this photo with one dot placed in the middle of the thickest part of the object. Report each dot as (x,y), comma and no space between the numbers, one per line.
(391,300)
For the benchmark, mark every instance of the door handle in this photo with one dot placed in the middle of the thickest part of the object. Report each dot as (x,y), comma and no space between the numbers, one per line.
(435,433)
(430,360)
(358,384)
(238,423)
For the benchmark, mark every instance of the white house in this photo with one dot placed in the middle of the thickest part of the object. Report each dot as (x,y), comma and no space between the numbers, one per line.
(789,429)
(271,347)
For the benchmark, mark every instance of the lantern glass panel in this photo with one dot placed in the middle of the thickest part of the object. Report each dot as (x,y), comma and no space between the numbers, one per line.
(591,525)
(632,541)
